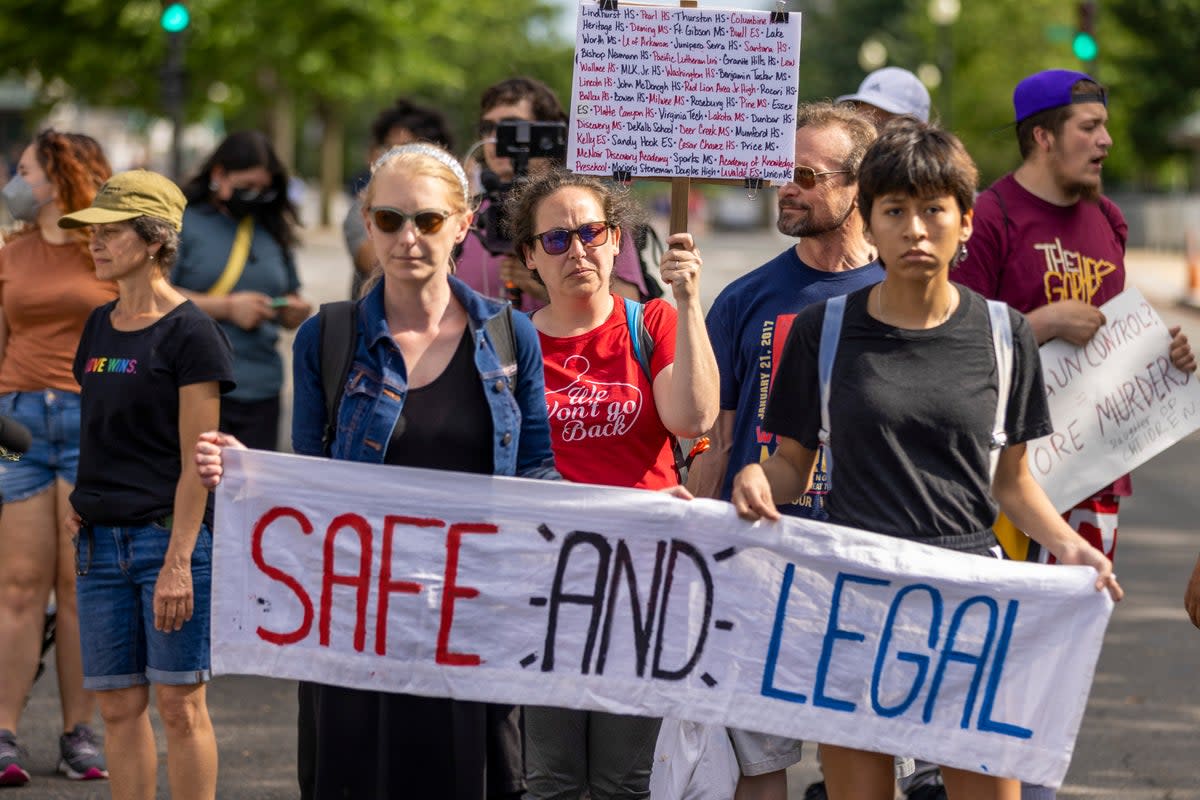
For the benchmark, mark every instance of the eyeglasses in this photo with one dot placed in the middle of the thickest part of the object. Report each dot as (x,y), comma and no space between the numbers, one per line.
(391,220)
(558,240)
(806,177)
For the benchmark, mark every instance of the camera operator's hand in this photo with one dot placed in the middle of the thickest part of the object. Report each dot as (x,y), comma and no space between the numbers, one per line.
(680,267)
(514,272)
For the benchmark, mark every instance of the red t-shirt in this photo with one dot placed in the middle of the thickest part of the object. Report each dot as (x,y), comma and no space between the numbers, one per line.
(604,426)
(1045,253)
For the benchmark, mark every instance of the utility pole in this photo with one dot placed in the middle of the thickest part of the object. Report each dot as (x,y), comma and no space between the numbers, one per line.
(175,19)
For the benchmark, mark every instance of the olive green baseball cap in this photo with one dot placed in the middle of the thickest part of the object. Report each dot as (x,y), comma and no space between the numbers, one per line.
(128,195)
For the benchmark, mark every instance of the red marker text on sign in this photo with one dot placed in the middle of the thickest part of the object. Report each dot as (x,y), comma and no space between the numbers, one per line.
(452,589)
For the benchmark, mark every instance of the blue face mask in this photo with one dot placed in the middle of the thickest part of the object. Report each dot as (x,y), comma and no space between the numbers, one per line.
(18,196)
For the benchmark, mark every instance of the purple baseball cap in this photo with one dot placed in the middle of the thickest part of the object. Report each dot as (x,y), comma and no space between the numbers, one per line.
(1049,89)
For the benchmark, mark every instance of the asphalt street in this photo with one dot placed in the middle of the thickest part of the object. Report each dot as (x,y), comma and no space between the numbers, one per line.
(1138,738)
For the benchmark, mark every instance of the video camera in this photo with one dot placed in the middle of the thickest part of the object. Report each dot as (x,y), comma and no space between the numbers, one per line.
(519,140)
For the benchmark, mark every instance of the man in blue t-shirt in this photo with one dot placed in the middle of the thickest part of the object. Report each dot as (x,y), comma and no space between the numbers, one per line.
(749,321)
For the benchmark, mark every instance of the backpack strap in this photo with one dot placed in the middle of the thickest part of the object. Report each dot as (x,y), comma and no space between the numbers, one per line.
(338,326)
(642,341)
(831,334)
(643,349)
(1002,343)
(500,330)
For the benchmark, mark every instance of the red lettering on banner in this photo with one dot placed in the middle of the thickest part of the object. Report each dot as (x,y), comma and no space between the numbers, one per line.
(386,584)
(451,591)
(256,553)
(361,580)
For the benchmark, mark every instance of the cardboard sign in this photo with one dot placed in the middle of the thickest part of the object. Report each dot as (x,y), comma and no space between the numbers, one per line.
(684,93)
(540,592)
(1116,402)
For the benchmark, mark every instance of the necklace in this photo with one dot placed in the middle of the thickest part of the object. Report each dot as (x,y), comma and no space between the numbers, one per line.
(945,314)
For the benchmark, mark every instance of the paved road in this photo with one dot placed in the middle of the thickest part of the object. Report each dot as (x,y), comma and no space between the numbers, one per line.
(1138,739)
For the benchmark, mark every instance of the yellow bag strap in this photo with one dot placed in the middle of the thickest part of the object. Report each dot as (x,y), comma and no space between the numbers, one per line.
(237,259)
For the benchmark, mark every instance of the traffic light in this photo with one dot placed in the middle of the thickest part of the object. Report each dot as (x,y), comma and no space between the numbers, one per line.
(175,18)
(1084,42)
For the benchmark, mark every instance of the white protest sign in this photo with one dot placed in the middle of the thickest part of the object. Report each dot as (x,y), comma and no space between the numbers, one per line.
(1116,402)
(545,592)
(684,93)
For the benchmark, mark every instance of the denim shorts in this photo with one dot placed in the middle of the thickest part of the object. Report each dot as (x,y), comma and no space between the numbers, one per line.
(116,570)
(52,417)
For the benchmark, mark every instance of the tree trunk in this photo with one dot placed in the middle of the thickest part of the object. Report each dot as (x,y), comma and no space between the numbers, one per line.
(332,137)
(282,126)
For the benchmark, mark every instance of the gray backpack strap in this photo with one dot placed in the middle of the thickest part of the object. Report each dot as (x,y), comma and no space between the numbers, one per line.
(500,330)
(1002,343)
(831,333)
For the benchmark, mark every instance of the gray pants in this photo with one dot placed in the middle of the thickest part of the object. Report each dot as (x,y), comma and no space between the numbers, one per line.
(568,752)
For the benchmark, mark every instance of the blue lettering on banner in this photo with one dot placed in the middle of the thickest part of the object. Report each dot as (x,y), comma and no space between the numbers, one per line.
(768,684)
(832,634)
(987,664)
(922,662)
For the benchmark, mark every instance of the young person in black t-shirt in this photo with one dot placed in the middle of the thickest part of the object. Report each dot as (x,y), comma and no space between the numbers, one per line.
(152,367)
(912,406)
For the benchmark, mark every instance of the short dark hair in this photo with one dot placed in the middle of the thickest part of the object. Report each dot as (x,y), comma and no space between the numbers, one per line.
(153,230)
(621,210)
(424,123)
(1052,119)
(857,125)
(917,159)
(546,107)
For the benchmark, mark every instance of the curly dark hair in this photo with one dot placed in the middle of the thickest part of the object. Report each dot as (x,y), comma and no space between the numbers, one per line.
(424,123)
(621,210)
(246,150)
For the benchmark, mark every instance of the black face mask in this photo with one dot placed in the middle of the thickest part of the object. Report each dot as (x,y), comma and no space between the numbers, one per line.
(246,202)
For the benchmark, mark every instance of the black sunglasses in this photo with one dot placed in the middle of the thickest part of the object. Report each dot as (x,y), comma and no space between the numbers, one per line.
(806,177)
(390,220)
(558,240)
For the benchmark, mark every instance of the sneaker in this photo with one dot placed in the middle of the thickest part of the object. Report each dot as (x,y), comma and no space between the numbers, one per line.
(816,791)
(81,757)
(11,771)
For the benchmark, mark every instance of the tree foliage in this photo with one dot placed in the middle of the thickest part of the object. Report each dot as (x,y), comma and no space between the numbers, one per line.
(336,55)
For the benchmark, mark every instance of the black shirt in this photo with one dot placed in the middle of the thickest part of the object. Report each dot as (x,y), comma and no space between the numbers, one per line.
(129,449)
(911,416)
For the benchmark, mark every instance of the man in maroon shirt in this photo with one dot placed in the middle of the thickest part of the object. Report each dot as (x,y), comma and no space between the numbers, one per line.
(1048,243)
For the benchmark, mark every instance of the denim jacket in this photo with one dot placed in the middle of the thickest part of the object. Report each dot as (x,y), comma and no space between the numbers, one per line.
(378,383)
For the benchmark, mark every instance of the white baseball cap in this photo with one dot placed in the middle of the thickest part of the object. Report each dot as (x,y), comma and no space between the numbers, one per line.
(895,90)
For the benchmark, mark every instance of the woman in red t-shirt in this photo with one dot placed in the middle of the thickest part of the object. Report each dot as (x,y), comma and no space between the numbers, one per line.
(610,422)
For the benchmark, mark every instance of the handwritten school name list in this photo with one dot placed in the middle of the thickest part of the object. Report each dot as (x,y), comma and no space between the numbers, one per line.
(684,92)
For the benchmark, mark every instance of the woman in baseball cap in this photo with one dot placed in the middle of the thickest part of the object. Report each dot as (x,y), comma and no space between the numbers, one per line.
(152,367)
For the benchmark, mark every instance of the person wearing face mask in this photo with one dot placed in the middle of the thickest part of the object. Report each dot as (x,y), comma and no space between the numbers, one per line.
(48,286)
(236,262)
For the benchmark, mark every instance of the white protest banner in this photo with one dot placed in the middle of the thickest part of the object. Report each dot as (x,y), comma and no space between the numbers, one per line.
(634,602)
(1116,402)
(684,92)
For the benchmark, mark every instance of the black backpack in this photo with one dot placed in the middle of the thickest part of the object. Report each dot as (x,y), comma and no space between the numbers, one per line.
(649,251)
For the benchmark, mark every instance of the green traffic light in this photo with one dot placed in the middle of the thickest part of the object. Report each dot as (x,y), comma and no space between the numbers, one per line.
(1084,46)
(175,18)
